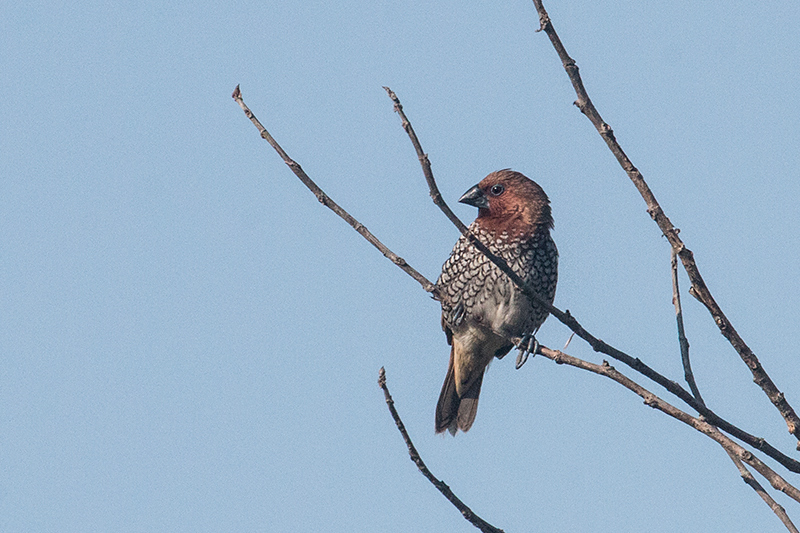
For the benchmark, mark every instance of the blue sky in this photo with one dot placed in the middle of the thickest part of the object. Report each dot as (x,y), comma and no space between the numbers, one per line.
(190,342)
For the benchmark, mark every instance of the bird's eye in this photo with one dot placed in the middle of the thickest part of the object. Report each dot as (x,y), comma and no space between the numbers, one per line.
(497,190)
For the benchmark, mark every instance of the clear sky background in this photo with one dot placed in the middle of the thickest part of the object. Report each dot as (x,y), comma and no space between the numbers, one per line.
(189,341)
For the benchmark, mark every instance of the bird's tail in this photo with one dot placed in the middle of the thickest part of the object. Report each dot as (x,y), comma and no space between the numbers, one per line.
(454,412)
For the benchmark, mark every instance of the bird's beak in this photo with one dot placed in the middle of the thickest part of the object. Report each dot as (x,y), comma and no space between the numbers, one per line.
(475,197)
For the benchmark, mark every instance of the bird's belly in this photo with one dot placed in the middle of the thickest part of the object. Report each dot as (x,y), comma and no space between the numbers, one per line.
(508,315)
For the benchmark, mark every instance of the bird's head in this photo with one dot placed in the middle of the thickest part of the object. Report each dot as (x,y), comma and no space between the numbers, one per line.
(509,201)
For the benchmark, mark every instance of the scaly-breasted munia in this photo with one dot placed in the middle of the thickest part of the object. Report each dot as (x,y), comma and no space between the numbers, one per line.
(479,301)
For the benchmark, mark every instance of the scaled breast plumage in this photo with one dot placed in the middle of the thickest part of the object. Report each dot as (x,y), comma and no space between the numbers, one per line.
(469,280)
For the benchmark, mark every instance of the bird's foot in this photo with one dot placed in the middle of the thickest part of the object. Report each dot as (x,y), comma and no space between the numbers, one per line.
(458,313)
(527,346)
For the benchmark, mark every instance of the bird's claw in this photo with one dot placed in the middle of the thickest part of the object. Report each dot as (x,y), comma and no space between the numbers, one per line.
(458,313)
(527,346)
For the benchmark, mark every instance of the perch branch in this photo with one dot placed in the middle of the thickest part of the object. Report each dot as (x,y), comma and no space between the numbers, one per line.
(698,289)
(568,320)
(325,200)
(440,485)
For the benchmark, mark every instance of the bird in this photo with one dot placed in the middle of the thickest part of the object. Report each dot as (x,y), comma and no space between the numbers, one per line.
(482,309)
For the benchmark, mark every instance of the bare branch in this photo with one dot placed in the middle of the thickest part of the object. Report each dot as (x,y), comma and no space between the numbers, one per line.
(325,200)
(699,424)
(684,342)
(756,486)
(568,320)
(436,196)
(442,487)
(698,289)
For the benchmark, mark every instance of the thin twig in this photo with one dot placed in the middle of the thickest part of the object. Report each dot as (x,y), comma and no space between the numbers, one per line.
(568,320)
(756,486)
(436,196)
(698,289)
(682,340)
(325,200)
(466,512)
(699,424)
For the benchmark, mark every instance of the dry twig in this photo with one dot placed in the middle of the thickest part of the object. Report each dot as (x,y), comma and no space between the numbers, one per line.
(325,200)
(682,340)
(698,289)
(466,512)
(748,478)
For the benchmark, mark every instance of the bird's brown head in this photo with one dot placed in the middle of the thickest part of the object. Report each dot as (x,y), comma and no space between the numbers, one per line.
(509,201)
